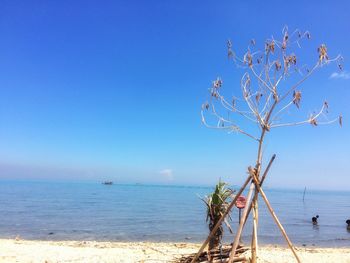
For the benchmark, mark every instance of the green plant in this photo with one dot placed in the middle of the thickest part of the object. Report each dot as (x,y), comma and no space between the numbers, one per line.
(217,203)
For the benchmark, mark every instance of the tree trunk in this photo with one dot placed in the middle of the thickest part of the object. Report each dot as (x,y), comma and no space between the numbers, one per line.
(215,240)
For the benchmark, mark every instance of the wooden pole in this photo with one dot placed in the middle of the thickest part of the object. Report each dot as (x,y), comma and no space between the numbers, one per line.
(213,231)
(274,215)
(205,243)
(254,243)
(263,177)
(240,228)
(267,169)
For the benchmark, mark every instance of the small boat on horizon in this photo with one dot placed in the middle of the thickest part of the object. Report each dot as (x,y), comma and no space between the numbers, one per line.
(107,182)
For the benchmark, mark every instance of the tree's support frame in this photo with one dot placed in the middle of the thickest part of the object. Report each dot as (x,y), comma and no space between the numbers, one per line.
(256,189)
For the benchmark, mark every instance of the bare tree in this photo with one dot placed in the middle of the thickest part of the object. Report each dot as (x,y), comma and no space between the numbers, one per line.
(270,86)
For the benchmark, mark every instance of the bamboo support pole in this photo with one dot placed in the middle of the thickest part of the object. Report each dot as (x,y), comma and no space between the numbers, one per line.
(213,231)
(205,243)
(267,169)
(240,228)
(254,244)
(263,178)
(262,193)
(255,206)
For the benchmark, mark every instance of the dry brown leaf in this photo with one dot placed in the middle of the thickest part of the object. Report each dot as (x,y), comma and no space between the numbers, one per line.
(285,40)
(313,122)
(229,49)
(217,83)
(297,98)
(322,52)
(229,53)
(229,44)
(258,97)
(272,46)
(326,106)
(248,59)
(292,59)
(278,65)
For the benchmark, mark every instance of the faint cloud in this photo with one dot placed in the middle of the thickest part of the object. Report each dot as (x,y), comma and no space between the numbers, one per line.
(340,75)
(167,174)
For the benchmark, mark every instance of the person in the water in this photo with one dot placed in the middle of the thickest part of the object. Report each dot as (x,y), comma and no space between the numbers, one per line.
(348,223)
(314,219)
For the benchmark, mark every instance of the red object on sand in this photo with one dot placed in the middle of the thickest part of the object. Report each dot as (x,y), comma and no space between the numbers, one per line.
(241,201)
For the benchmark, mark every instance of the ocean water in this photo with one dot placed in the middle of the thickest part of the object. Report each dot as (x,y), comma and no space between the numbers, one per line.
(92,211)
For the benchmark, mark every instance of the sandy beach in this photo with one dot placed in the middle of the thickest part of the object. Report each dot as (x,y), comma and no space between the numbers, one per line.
(91,251)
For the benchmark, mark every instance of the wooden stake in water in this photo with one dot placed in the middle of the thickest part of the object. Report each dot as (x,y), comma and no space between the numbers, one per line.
(304,194)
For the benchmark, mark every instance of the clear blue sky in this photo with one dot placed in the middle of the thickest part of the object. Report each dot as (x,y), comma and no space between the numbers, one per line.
(112,90)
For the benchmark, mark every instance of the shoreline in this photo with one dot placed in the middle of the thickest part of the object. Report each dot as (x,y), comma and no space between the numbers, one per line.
(18,250)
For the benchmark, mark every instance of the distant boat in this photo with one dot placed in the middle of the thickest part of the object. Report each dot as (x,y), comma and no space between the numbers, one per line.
(107,182)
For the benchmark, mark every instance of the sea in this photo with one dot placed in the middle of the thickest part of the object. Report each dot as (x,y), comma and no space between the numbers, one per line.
(121,212)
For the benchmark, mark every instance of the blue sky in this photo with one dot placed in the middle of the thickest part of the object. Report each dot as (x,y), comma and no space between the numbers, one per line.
(100,90)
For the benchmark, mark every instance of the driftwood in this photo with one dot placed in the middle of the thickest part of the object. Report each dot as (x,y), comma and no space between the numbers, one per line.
(217,255)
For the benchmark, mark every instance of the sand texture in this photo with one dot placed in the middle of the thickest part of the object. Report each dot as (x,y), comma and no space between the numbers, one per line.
(100,252)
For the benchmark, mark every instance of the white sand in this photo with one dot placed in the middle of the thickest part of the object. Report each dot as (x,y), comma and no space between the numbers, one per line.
(100,252)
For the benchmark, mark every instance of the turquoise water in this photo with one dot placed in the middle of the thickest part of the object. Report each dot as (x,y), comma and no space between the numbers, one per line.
(92,211)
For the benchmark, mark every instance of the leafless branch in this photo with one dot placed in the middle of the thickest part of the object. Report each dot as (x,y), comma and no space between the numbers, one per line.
(313,120)
(230,127)
(262,94)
